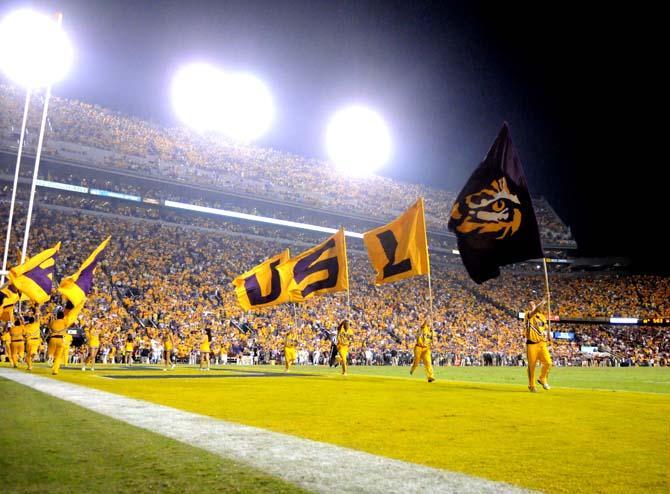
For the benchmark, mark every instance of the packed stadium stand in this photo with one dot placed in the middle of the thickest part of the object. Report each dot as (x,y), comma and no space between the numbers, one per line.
(96,137)
(168,267)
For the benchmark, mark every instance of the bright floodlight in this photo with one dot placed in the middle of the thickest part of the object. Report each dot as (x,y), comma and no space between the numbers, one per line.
(247,107)
(237,105)
(34,50)
(195,90)
(358,140)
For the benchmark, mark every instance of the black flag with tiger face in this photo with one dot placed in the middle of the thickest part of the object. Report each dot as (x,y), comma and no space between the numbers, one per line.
(493,217)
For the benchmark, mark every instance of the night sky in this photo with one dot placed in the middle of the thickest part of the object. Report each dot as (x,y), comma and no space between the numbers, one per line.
(570,80)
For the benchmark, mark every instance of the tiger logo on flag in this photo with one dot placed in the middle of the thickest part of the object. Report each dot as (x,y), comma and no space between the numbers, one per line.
(491,210)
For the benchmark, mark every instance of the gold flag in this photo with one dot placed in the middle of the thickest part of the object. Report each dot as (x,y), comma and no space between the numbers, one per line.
(78,286)
(399,249)
(263,286)
(34,278)
(321,269)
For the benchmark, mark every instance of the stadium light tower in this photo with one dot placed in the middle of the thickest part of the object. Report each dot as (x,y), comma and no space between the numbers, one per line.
(34,52)
(235,104)
(358,140)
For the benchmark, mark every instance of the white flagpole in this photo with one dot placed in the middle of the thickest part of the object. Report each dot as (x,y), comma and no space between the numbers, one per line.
(16,183)
(346,263)
(430,299)
(38,155)
(430,286)
(295,316)
(546,282)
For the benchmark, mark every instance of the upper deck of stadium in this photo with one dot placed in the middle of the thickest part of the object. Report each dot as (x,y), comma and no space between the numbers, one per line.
(85,135)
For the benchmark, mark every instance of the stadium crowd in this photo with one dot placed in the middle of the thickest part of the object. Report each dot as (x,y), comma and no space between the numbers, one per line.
(96,136)
(161,275)
(156,211)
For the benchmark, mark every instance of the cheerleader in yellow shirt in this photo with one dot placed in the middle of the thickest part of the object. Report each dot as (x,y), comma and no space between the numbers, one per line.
(537,333)
(93,337)
(129,348)
(7,343)
(17,346)
(168,348)
(205,341)
(58,330)
(345,336)
(422,349)
(290,341)
(31,333)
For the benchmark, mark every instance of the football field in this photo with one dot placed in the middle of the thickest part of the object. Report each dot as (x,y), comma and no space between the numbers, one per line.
(597,430)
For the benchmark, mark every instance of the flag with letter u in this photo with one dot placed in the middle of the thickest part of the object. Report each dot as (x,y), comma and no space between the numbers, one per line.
(399,249)
(77,287)
(34,278)
(321,269)
(493,216)
(263,286)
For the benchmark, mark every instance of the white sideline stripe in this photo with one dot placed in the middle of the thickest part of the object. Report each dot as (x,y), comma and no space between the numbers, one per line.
(313,465)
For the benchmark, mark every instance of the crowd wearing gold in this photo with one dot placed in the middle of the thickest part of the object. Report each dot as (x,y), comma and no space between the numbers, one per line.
(24,343)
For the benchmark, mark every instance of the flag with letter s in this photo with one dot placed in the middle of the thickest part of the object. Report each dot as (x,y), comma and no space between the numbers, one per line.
(321,269)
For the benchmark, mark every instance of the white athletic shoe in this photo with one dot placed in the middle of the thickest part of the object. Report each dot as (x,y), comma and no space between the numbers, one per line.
(544,385)
(83,368)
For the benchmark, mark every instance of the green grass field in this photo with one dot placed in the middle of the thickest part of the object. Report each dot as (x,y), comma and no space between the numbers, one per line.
(48,445)
(597,430)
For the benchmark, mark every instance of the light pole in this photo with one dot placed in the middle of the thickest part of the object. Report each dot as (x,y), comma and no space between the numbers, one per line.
(35,53)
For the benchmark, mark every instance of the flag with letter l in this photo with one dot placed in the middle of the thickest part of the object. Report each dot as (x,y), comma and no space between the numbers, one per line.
(493,216)
(321,269)
(263,286)
(34,278)
(399,249)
